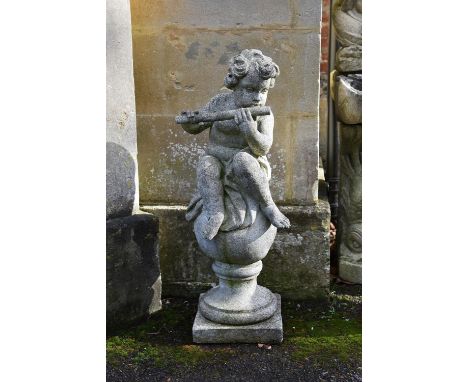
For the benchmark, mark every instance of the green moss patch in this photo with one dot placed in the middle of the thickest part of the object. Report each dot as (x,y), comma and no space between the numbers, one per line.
(314,331)
(321,333)
(165,340)
(120,349)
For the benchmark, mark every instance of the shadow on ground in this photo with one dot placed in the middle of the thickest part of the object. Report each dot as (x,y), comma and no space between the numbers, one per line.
(322,342)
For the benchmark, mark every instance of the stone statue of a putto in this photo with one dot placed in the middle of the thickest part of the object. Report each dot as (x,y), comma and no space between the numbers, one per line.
(235,217)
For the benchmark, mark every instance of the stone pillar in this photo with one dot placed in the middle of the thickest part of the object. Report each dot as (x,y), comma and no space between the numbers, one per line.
(347,95)
(174,40)
(133,277)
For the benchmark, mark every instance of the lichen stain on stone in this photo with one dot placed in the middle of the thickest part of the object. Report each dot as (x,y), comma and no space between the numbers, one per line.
(289,240)
(290,49)
(289,173)
(193,51)
(123,120)
(208,52)
(268,38)
(176,41)
(175,78)
(293,7)
(231,49)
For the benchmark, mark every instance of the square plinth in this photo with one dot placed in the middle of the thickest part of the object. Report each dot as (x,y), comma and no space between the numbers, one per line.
(208,332)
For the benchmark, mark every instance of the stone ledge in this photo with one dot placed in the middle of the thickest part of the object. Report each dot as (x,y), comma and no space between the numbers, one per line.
(297,266)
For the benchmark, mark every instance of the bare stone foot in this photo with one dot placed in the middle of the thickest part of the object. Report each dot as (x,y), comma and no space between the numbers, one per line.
(276,217)
(212,225)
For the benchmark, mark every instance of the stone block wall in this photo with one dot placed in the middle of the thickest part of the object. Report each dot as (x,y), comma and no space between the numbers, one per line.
(181,52)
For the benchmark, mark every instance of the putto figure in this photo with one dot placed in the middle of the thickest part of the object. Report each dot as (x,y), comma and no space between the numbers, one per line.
(233,175)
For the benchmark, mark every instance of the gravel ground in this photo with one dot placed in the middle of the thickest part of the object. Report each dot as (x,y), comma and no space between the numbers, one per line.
(252,365)
(170,330)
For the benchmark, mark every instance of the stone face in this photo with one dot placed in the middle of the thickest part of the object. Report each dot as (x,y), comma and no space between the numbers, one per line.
(269,331)
(133,285)
(121,168)
(350,222)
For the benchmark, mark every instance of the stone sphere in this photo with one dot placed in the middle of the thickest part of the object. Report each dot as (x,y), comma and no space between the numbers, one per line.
(242,246)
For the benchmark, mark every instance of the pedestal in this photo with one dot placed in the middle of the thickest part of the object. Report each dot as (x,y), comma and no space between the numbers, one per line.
(269,331)
(237,300)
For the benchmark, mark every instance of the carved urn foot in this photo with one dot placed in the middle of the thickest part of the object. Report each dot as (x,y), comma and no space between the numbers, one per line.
(238,300)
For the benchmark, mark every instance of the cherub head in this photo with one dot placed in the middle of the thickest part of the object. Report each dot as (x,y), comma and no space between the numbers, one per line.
(250,75)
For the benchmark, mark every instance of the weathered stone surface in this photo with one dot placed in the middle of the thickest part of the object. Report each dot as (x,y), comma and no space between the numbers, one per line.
(350,196)
(170,176)
(226,15)
(187,271)
(133,277)
(351,270)
(121,168)
(347,20)
(297,265)
(349,59)
(269,331)
(348,98)
(323,120)
(133,286)
(168,47)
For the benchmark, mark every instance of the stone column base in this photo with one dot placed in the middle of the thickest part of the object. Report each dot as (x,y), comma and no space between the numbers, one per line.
(133,281)
(269,331)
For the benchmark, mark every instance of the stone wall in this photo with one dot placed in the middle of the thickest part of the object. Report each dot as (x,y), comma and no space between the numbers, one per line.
(132,278)
(181,52)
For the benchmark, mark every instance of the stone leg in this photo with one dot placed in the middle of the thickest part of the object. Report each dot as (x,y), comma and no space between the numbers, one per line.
(211,189)
(253,180)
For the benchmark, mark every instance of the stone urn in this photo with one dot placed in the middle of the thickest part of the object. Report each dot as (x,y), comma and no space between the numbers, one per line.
(237,255)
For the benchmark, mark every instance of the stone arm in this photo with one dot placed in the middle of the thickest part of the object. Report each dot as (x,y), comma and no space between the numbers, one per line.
(258,134)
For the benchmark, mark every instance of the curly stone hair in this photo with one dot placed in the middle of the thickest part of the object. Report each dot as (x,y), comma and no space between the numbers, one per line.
(250,59)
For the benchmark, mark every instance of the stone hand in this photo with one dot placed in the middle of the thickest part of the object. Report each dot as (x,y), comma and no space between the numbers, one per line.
(190,114)
(244,120)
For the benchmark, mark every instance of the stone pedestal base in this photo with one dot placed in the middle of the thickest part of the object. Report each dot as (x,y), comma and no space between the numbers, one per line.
(133,281)
(269,331)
